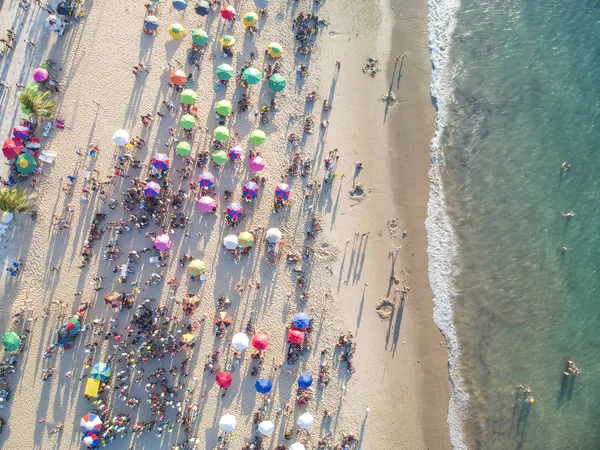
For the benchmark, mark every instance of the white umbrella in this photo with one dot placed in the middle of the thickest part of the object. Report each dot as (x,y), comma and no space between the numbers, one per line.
(121,137)
(53,23)
(227,423)
(297,446)
(240,341)
(305,421)
(273,235)
(266,427)
(230,242)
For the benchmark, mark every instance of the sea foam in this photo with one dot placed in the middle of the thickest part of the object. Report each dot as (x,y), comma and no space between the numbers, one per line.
(442,247)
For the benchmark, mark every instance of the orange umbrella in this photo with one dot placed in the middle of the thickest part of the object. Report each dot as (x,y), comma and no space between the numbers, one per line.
(178,77)
(190,304)
(223,320)
(113,299)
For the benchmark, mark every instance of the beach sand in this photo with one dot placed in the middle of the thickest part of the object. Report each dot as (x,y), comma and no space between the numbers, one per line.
(401,363)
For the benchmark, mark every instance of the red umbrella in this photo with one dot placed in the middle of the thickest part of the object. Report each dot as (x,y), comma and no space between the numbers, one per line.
(296,336)
(223,379)
(178,77)
(12,148)
(260,341)
(228,13)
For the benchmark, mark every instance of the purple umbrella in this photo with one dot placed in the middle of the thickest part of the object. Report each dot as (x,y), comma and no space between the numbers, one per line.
(250,190)
(235,211)
(206,180)
(257,164)
(235,153)
(207,204)
(282,191)
(40,74)
(162,242)
(161,161)
(152,189)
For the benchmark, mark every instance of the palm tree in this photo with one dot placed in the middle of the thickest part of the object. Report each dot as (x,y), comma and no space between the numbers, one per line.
(15,200)
(37,104)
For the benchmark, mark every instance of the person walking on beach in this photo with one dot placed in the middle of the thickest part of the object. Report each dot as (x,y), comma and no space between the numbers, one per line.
(29,43)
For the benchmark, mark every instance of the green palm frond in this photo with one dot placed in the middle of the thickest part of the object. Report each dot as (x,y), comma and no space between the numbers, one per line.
(39,103)
(16,200)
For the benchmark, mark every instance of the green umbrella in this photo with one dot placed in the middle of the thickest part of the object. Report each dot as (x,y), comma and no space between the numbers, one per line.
(26,163)
(219,157)
(199,36)
(188,97)
(221,134)
(11,341)
(258,137)
(224,72)
(183,148)
(252,75)
(224,107)
(187,121)
(277,83)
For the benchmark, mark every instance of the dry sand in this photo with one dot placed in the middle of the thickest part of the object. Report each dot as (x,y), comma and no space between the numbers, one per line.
(401,363)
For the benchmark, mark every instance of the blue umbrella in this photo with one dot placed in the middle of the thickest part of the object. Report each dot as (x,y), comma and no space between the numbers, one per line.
(305,380)
(301,321)
(263,385)
(261,4)
(151,23)
(180,5)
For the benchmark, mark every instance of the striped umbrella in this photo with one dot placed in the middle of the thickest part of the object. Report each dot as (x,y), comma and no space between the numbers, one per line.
(21,132)
(161,161)
(235,153)
(187,342)
(235,211)
(206,179)
(152,189)
(282,191)
(91,422)
(245,239)
(73,326)
(190,304)
(250,190)
(114,299)
(223,320)
(90,439)
(196,268)
(100,371)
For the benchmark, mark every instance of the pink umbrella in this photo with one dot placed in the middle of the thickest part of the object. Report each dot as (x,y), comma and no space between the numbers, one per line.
(207,204)
(162,242)
(40,74)
(257,164)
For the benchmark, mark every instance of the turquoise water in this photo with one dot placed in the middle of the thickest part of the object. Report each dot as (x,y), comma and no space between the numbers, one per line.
(525,98)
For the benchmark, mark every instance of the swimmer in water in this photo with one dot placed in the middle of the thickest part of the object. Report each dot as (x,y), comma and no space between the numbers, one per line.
(569,214)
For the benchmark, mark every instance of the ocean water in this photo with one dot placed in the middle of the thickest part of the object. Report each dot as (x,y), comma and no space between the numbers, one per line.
(517,88)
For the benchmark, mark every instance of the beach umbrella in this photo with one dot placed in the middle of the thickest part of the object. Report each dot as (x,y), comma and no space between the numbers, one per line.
(73,326)
(246,239)
(64,8)
(257,164)
(223,379)
(199,36)
(295,336)
(219,157)
(250,190)
(277,83)
(250,18)
(100,371)
(12,148)
(121,138)
(207,204)
(202,8)
(152,189)
(301,321)
(235,211)
(180,5)
(20,132)
(258,137)
(162,242)
(187,121)
(227,40)
(252,75)
(114,299)
(11,341)
(90,439)
(63,337)
(161,161)
(187,342)
(235,153)
(91,422)
(273,235)
(221,134)
(282,191)
(305,380)
(224,71)
(224,107)
(176,31)
(305,421)
(260,341)
(228,13)
(297,446)
(26,163)
(261,4)
(196,268)
(274,49)
(178,77)
(206,179)
(190,304)
(266,427)
(151,23)
(183,148)
(188,97)
(240,341)
(263,385)
(53,23)
(223,320)
(40,74)
(227,423)
(230,242)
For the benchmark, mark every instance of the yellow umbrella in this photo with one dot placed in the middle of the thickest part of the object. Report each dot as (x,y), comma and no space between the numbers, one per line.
(176,31)
(227,40)
(250,19)
(246,239)
(275,50)
(196,268)
(187,342)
